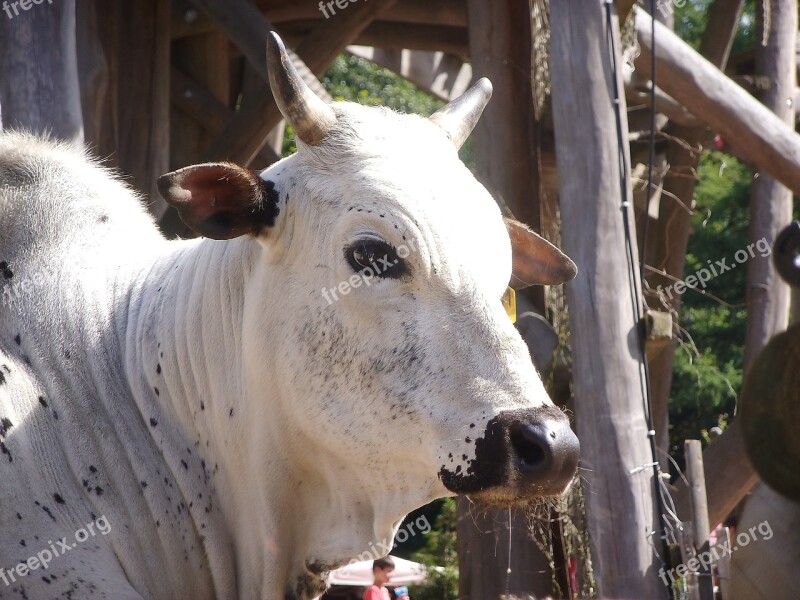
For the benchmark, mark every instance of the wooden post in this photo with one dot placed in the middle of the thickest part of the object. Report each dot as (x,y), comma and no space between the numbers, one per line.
(143,49)
(607,355)
(247,132)
(96,35)
(729,476)
(700,524)
(506,163)
(39,89)
(771,203)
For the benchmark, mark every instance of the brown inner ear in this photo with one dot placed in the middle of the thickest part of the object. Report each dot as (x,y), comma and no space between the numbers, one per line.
(535,261)
(220,200)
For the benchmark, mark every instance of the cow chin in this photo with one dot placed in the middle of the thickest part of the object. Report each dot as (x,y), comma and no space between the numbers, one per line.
(524,456)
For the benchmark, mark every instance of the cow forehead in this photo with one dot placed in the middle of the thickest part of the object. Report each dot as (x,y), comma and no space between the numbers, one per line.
(408,167)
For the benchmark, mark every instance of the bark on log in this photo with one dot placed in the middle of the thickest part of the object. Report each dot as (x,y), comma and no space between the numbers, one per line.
(690,79)
(506,163)
(608,396)
(450,13)
(768,295)
(143,46)
(39,89)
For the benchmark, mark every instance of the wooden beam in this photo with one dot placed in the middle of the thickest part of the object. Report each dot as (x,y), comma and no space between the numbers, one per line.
(205,108)
(246,133)
(451,13)
(505,162)
(39,89)
(382,34)
(615,451)
(728,109)
(247,28)
(637,92)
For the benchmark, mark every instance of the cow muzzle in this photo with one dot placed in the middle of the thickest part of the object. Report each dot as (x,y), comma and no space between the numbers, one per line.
(523,455)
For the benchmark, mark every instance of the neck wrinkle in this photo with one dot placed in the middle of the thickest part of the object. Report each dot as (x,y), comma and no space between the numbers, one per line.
(183,337)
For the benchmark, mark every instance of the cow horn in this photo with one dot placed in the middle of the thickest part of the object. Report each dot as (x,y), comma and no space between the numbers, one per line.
(309,116)
(458,118)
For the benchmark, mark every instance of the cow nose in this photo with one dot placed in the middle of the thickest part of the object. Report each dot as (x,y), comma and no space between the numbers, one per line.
(546,453)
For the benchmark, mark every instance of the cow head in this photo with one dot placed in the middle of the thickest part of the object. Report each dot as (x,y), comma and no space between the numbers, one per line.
(375,341)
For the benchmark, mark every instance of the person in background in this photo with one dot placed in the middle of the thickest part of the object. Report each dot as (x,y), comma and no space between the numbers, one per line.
(382,573)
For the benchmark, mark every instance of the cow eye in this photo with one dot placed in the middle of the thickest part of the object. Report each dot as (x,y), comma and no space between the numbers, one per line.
(375,258)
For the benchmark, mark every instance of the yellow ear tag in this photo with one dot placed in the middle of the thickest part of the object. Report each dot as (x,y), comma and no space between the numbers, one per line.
(510,304)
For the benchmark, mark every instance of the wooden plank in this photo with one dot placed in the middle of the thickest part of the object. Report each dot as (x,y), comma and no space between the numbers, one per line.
(206,109)
(768,296)
(728,109)
(142,99)
(96,39)
(246,133)
(615,452)
(39,88)
(382,34)
(452,13)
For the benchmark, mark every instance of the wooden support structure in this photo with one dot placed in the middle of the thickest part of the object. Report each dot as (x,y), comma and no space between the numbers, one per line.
(615,452)
(448,13)
(701,529)
(669,234)
(42,94)
(768,296)
(728,473)
(246,132)
(143,46)
(756,132)
(501,51)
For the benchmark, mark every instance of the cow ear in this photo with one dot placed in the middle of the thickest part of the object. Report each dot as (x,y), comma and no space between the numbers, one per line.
(221,200)
(535,261)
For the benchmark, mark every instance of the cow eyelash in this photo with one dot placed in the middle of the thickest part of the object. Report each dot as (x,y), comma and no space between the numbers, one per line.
(375,258)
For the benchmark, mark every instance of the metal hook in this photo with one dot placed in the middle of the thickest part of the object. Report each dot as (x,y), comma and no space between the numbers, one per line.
(787,254)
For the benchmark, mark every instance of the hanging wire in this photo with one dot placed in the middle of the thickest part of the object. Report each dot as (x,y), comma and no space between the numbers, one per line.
(664,505)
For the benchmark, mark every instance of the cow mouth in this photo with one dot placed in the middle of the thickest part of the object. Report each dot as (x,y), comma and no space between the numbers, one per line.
(523,456)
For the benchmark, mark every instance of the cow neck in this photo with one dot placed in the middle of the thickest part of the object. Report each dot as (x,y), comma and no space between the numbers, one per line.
(183,360)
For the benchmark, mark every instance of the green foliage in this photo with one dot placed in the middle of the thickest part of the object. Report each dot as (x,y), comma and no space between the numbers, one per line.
(690,20)
(358,80)
(708,364)
(440,551)
(691,17)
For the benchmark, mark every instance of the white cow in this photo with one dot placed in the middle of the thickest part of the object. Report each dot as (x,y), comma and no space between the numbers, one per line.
(233,417)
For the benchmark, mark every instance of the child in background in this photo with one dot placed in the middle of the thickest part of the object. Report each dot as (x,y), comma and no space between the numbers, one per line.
(381,572)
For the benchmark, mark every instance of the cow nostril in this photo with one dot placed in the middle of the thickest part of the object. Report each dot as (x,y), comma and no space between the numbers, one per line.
(531,445)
